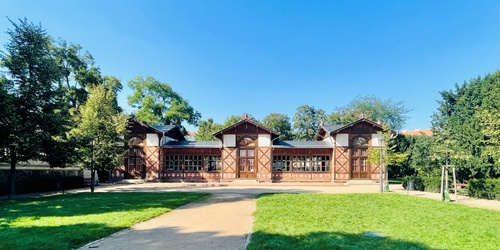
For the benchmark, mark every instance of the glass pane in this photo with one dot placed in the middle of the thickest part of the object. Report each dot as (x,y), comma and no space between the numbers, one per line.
(243,153)
(250,153)
(250,165)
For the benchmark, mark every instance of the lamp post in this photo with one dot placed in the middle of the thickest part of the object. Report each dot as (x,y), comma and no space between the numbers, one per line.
(92,174)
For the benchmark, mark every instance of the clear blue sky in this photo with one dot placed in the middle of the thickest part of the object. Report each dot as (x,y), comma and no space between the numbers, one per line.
(257,57)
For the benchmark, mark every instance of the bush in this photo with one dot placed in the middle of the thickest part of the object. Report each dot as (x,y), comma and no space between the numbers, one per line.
(417,182)
(432,184)
(484,188)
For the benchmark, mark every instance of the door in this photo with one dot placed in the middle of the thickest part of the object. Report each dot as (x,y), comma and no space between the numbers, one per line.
(359,163)
(246,164)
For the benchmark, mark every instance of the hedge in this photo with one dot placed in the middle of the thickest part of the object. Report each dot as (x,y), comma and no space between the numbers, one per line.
(428,184)
(484,188)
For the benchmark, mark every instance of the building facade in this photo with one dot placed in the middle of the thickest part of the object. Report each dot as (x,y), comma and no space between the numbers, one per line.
(248,151)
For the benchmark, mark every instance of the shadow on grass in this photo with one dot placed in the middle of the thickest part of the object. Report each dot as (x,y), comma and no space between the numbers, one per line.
(91,203)
(329,240)
(54,237)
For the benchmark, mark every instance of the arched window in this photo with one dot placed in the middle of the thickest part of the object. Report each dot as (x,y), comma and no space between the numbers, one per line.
(247,142)
(135,142)
(359,141)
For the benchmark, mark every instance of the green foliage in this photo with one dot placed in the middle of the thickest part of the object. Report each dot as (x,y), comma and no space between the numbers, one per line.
(433,184)
(279,123)
(375,109)
(158,103)
(484,188)
(465,126)
(418,183)
(390,156)
(339,221)
(306,122)
(206,129)
(100,127)
(73,220)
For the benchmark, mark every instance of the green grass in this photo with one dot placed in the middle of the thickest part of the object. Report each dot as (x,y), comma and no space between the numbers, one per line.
(339,221)
(72,220)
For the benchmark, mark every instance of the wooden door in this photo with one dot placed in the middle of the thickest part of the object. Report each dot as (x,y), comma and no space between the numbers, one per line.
(246,164)
(359,163)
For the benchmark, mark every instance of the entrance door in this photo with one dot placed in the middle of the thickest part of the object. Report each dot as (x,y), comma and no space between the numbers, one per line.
(246,167)
(359,163)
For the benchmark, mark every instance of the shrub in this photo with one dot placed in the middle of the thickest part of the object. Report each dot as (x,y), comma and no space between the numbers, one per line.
(417,182)
(484,188)
(432,184)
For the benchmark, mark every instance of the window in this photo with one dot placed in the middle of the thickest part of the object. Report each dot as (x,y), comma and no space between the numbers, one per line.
(213,163)
(321,163)
(135,152)
(173,163)
(281,163)
(359,141)
(301,164)
(193,163)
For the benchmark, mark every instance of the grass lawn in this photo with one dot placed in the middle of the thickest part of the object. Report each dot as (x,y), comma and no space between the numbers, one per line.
(72,220)
(339,221)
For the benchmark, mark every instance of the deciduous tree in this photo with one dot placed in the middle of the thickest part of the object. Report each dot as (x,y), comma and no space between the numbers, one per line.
(373,108)
(306,122)
(279,123)
(206,130)
(158,103)
(100,127)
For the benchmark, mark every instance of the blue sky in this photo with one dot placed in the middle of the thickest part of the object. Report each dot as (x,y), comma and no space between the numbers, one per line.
(257,57)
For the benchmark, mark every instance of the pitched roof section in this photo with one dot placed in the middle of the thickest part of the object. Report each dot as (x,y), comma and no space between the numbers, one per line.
(171,131)
(301,144)
(375,126)
(232,129)
(193,144)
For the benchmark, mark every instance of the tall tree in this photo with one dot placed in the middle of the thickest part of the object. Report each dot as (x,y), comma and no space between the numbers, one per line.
(206,130)
(100,127)
(236,118)
(279,123)
(461,126)
(375,109)
(158,103)
(33,85)
(306,122)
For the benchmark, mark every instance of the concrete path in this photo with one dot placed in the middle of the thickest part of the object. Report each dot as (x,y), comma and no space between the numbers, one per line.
(222,222)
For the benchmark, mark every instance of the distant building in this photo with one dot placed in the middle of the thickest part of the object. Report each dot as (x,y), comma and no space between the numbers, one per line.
(249,151)
(417,132)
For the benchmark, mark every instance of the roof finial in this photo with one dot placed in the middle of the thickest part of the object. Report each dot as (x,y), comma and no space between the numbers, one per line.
(246,116)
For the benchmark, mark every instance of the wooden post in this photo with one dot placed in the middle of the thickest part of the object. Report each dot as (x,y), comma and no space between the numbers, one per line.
(455,184)
(442,178)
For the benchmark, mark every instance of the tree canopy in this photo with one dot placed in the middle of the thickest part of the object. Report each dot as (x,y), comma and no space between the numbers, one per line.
(206,129)
(157,103)
(373,108)
(306,122)
(279,123)
(465,127)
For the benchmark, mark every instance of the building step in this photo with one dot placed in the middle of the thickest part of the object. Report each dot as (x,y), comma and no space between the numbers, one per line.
(361,182)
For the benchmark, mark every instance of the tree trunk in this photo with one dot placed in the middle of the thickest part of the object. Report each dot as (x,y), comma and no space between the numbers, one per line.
(12,179)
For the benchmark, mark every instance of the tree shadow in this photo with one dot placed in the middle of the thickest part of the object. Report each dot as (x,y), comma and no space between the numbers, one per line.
(329,240)
(91,203)
(54,237)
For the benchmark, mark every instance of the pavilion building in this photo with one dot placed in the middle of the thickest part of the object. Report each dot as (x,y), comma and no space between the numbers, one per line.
(249,151)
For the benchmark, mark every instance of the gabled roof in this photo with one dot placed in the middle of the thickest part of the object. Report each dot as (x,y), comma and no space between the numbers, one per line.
(171,131)
(301,144)
(193,144)
(338,128)
(246,119)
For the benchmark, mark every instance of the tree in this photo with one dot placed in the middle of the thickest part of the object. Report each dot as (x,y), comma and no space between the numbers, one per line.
(206,130)
(33,94)
(100,127)
(158,103)
(236,118)
(306,122)
(373,108)
(461,127)
(279,123)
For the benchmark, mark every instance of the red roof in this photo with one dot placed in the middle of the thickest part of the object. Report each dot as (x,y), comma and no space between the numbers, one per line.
(417,132)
